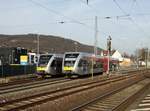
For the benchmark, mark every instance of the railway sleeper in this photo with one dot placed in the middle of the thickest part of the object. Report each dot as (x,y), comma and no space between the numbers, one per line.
(96,108)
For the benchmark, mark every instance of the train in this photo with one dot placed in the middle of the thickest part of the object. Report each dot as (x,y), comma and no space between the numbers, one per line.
(73,64)
(14,61)
(11,55)
(49,64)
(80,63)
(113,64)
(32,58)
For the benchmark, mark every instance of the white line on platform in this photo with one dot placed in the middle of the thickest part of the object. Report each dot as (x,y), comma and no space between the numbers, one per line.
(141,109)
(146,104)
(147,98)
(145,101)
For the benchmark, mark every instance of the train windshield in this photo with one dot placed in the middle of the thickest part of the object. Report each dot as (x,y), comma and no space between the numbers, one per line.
(71,55)
(69,63)
(24,51)
(44,59)
(70,59)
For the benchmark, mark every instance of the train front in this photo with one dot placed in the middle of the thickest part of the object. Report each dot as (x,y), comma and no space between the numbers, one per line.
(69,63)
(43,60)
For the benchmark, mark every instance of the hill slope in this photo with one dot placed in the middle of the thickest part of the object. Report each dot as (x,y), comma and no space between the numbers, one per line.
(48,43)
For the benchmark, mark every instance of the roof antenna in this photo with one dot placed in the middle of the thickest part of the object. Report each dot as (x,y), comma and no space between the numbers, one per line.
(87,1)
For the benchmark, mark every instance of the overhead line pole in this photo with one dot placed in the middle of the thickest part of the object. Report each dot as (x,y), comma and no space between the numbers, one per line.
(38,48)
(38,43)
(95,46)
(96,34)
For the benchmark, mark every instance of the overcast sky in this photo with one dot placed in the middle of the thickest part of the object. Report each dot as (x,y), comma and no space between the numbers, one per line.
(128,26)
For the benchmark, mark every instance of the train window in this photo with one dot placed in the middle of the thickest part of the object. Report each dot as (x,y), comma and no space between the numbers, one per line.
(23,52)
(71,55)
(69,63)
(82,63)
(54,63)
(36,59)
(32,58)
(44,59)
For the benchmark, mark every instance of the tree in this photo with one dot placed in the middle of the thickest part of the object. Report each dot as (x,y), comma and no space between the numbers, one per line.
(126,55)
(142,54)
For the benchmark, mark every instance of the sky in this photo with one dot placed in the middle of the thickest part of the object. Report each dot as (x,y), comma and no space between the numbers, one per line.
(126,21)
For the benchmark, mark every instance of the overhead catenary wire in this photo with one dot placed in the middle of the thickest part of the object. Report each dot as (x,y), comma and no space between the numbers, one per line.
(130,18)
(55,12)
(139,7)
(132,5)
(72,20)
(92,8)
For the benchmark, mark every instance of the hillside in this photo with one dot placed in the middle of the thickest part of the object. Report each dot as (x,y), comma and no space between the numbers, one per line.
(48,43)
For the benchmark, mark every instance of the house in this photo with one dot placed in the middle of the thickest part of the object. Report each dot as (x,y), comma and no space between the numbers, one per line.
(117,55)
(114,54)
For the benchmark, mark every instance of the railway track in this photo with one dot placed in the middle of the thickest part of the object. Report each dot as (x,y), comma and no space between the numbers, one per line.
(116,100)
(34,84)
(143,104)
(32,100)
(20,81)
(31,83)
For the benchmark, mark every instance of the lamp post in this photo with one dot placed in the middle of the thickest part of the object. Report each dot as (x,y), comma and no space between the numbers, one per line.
(108,53)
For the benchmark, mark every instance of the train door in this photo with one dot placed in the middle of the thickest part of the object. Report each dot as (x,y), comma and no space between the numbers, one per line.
(57,65)
(83,66)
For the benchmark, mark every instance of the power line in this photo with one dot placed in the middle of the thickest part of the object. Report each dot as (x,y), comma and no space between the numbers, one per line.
(119,7)
(72,20)
(56,12)
(145,20)
(132,5)
(130,18)
(91,7)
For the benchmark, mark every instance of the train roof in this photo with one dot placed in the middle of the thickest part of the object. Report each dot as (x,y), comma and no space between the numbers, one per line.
(84,54)
(77,53)
(53,54)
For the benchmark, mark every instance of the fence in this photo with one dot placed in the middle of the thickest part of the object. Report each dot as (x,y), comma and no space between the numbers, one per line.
(13,70)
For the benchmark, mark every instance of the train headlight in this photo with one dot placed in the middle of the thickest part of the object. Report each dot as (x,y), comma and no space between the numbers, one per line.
(68,68)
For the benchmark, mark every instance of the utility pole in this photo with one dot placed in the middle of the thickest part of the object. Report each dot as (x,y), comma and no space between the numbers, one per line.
(38,44)
(96,33)
(109,52)
(38,49)
(146,53)
(87,2)
(147,58)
